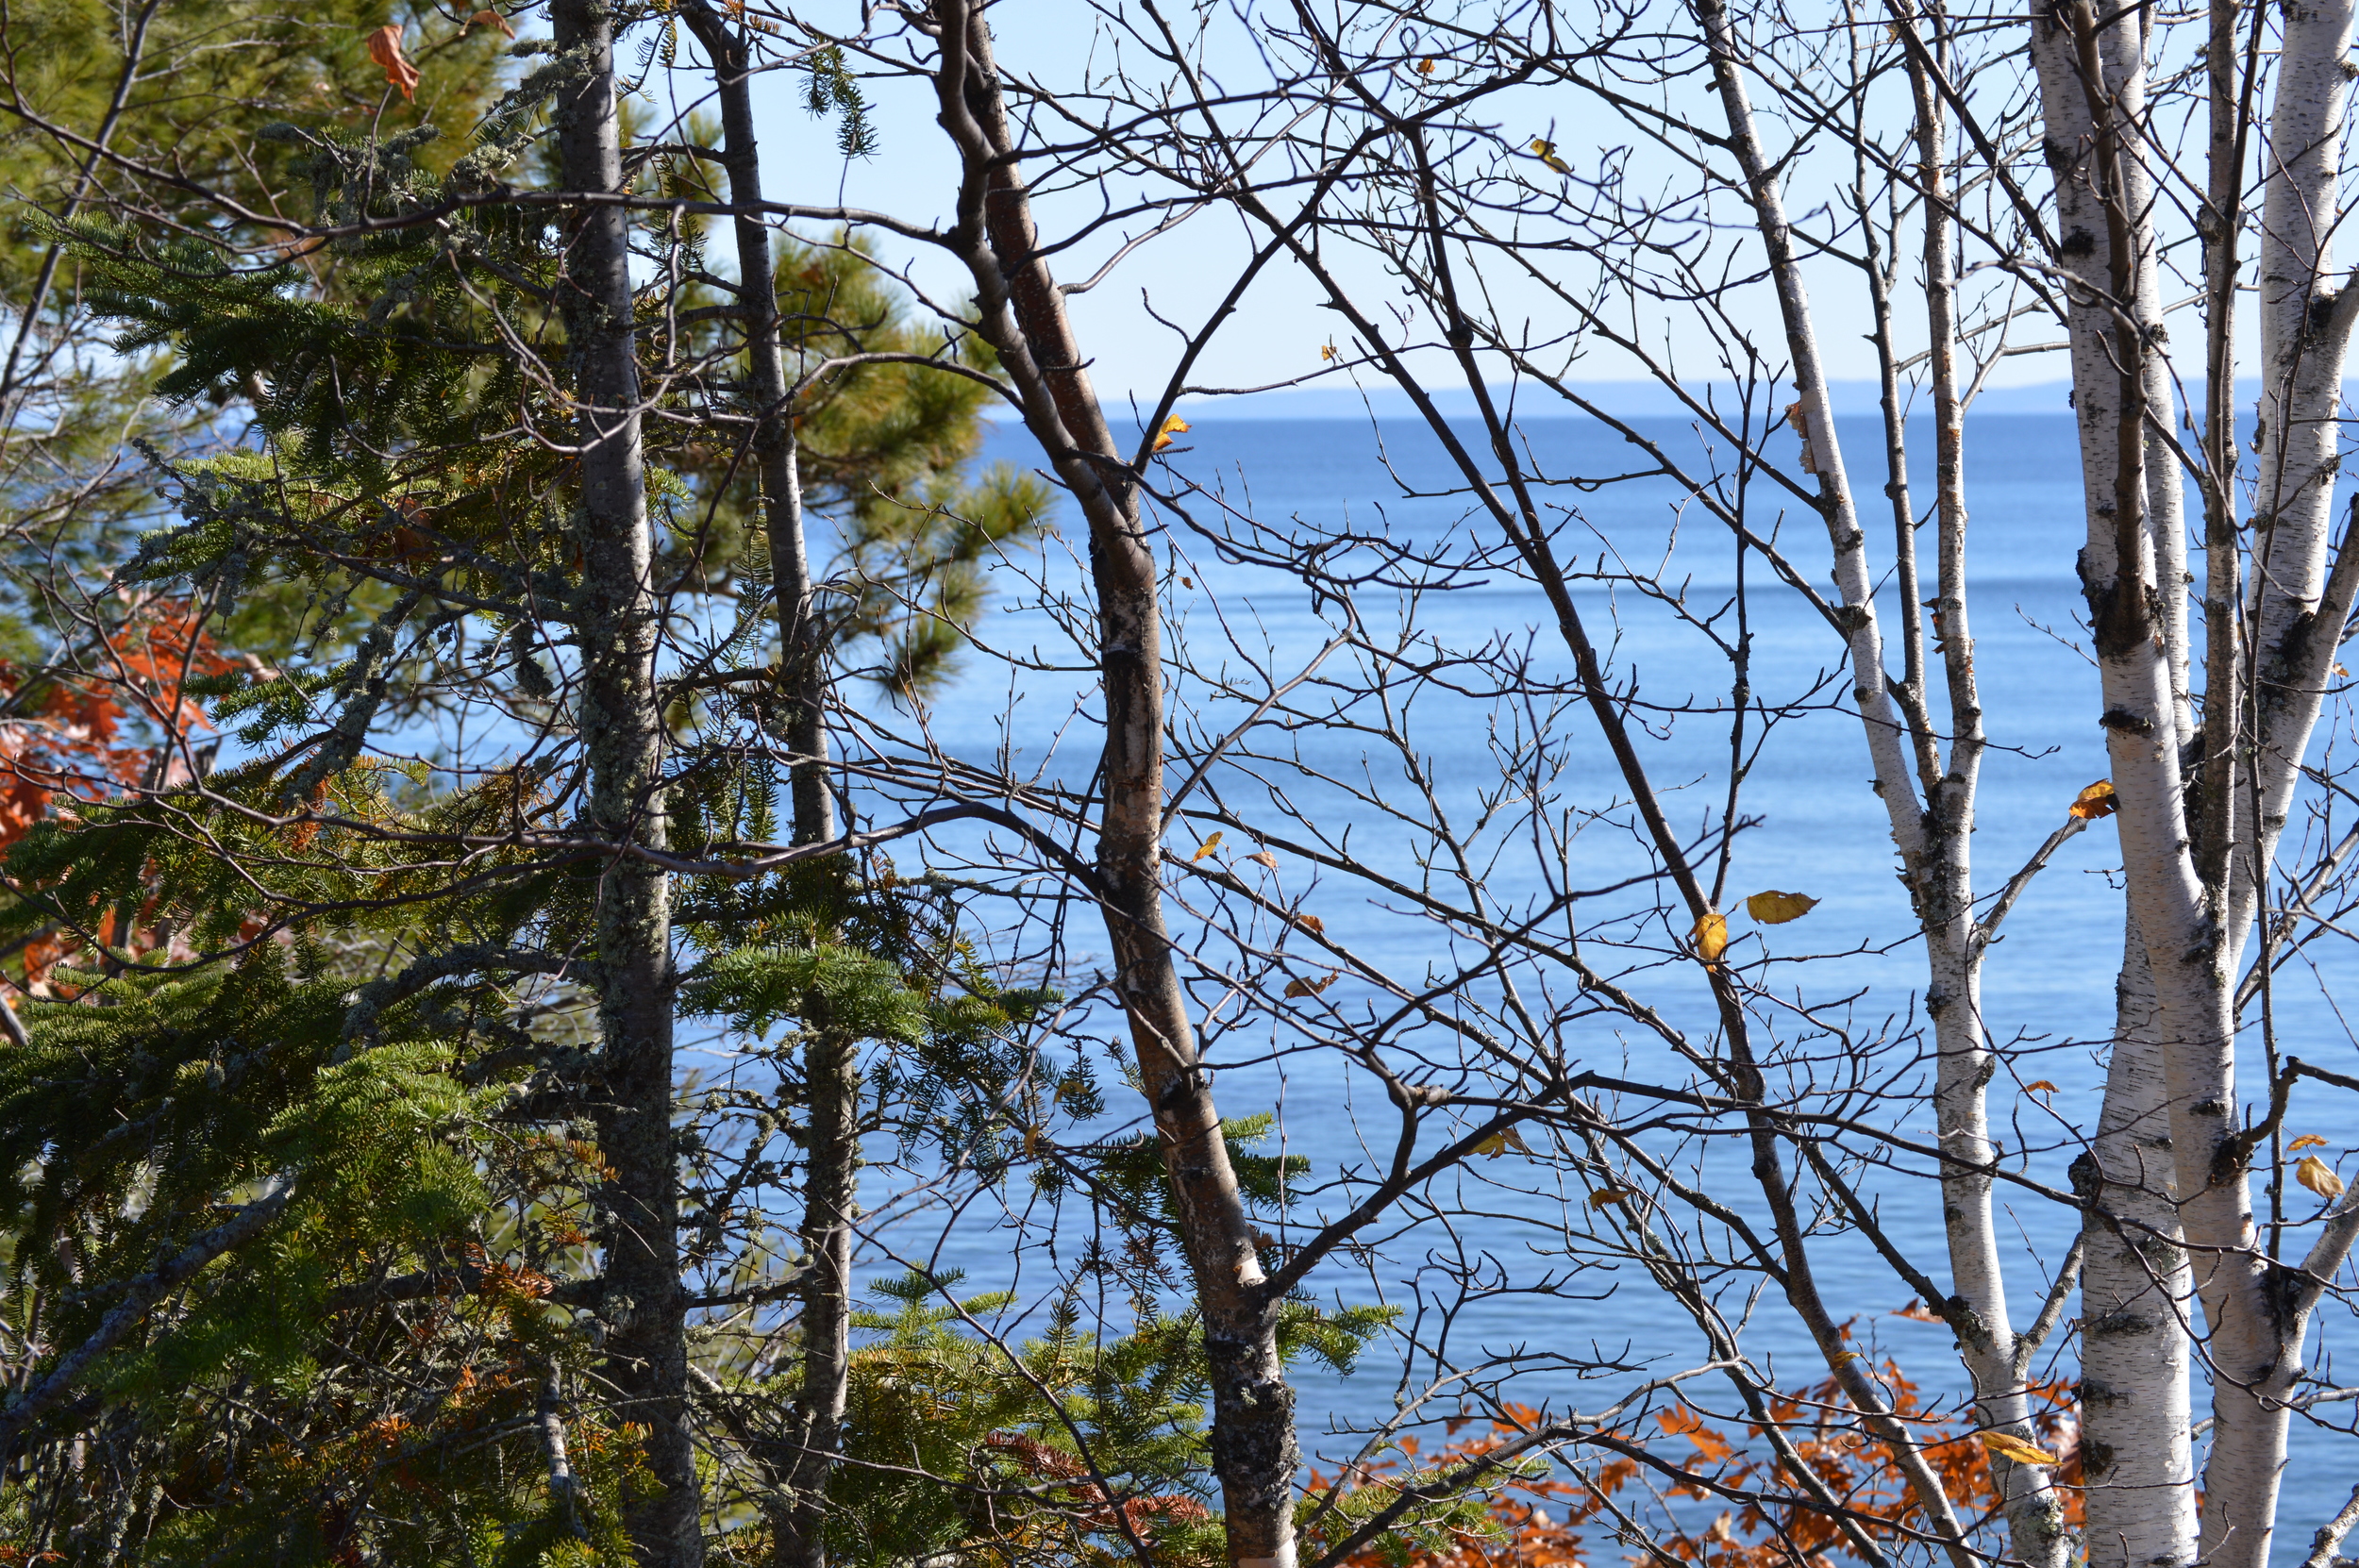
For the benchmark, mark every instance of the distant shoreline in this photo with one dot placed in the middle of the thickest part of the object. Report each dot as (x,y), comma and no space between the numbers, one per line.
(1631,399)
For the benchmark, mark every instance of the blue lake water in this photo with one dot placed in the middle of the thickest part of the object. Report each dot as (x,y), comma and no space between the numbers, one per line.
(1822,831)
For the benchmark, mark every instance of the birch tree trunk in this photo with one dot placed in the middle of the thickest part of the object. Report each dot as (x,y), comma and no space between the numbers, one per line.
(621,720)
(2137,1354)
(2136,1296)
(1934,838)
(2258,1310)
(1022,314)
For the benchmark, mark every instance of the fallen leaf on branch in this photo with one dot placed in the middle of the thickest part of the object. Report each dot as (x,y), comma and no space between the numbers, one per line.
(2040,1086)
(1499,1143)
(1605,1195)
(1312,923)
(488,19)
(1205,848)
(2318,1175)
(2008,1446)
(1263,858)
(1425,68)
(1775,908)
(385,48)
(1710,937)
(1311,988)
(2307,1141)
(2096,801)
(1172,426)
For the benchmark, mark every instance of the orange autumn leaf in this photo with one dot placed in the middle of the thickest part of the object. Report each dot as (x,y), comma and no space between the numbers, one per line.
(488,19)
(2318,1175)
(1172,427)
(2040,1086)
(1312,923)
(2307,1141)
(2096,801)
(2008,1446)
(1311,988)
(385,49)
(1916,1311)
(1687,1424)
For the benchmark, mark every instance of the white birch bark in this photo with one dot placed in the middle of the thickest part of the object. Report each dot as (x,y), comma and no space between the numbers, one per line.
(2257,1316)
(2140,1502)
(2254,1312)
(2136,1358)
(1933,839)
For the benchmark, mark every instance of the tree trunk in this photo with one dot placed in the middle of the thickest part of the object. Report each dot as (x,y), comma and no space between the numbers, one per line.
(2257,1312)
(1934,841)
(831,1061)
(645,1352)
(1023,317)
(2092,82)
(2136,1296)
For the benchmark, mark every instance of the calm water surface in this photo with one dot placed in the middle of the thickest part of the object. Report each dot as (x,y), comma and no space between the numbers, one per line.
(2048,983)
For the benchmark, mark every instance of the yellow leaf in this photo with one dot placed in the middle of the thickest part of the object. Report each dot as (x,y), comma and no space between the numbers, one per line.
(2096,801)
(385,49)
(1546,152)
(1425,68)
(1710,937)
(2340,671)
(2307,1141)
(1172,426)
(1776,909)
(1263,858)
(2008,1446)
(1605,1195)
(1205,848)
(1499,1143)
(488,19)
(2040,1086)
(2318,1175)
(1326,351)
(1311,988)
(1312,923)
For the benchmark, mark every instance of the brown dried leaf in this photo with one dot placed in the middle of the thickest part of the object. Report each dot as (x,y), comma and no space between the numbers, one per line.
(2318,1175)
(385,49)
